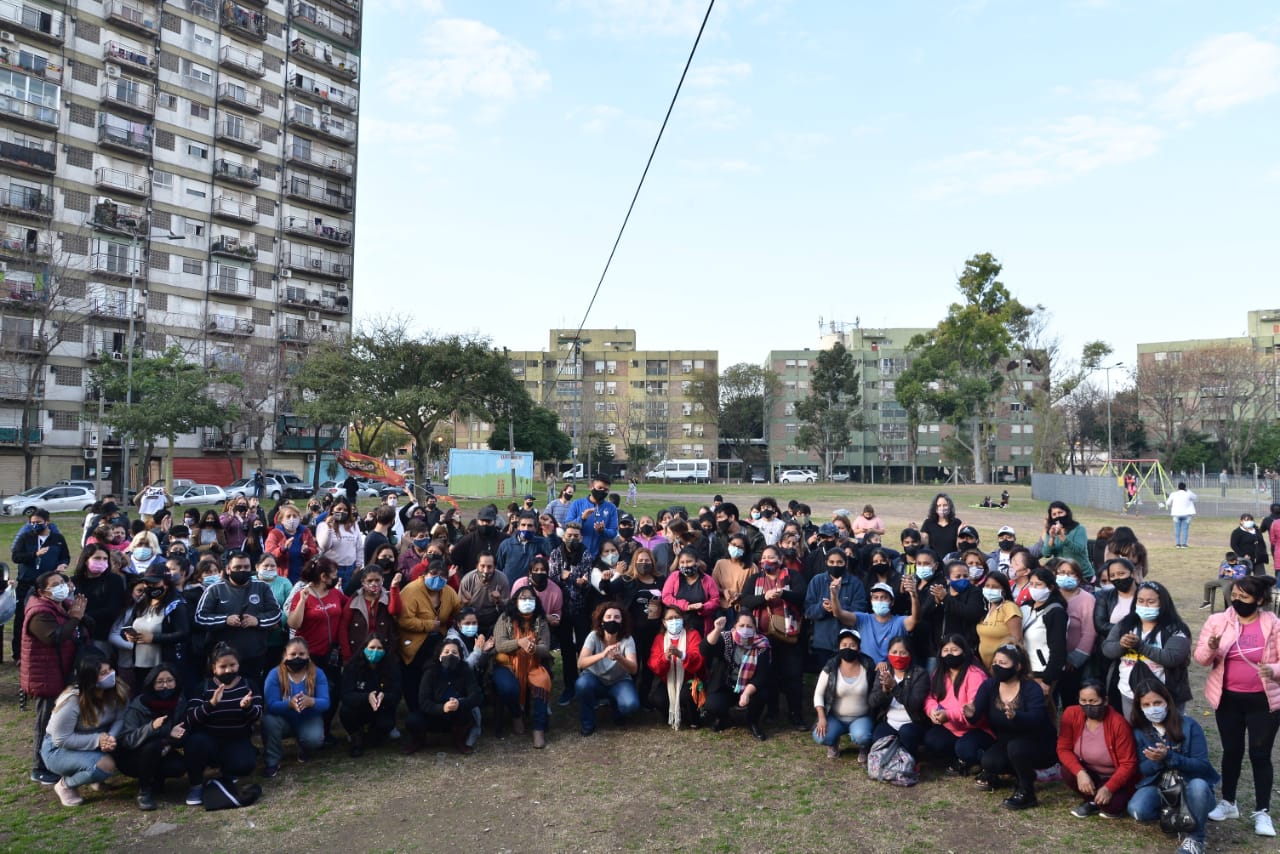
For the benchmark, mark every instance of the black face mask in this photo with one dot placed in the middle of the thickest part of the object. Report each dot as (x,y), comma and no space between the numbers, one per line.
(789,554)
(1095,713)
(1124,585)
(165,693)
(155,592)
(835,570)
(226,678)
(449,662)
(723,527)
(387,564)
(240,577)
(626,533)
(768,512)
(952,662)
(297,665)
(611,626)
(912,550)
(707,532)
(1244,609)
(599,495)
(646,530)
(848,655)
(1007,545)
(538,580)
(574,549)
(1002,673)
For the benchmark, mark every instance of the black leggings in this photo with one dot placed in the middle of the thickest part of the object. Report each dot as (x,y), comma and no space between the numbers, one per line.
(785,679)
(1248,717)
(1022,756)
(149,764)
(234,757)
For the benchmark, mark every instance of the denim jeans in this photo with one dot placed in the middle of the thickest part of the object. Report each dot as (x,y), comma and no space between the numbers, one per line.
(1181,527)
(858,730)
(508,688)
(76,767)
(1145,804)
(622,694)
(309,731)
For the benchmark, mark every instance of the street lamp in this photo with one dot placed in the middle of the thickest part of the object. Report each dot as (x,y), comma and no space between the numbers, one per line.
(1107,370)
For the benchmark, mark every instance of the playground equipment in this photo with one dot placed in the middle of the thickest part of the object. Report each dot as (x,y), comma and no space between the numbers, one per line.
(1139,478)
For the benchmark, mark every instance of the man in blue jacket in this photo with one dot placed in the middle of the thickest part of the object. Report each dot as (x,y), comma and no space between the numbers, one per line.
(836,584)
(515,552)
(598,515)
(41,549)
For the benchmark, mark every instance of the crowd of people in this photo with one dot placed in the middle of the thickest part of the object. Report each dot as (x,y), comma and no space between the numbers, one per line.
(170,648)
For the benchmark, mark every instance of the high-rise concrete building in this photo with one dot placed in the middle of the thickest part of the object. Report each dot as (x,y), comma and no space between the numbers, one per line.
(182,173)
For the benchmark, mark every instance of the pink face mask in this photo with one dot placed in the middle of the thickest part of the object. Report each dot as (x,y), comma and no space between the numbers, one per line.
(97,566)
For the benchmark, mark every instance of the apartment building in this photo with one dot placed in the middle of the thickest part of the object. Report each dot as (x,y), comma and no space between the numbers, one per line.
(176,173)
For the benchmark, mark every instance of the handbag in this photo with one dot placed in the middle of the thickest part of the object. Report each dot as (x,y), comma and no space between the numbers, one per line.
(1175,815)
(783,628)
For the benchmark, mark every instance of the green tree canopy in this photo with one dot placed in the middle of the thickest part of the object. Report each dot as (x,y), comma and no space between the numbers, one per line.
(537,430)
(832,411)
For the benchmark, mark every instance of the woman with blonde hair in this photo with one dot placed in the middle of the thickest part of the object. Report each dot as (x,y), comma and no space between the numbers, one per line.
(296,695)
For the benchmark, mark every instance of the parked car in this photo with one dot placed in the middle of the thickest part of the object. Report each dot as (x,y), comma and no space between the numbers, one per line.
(364,489)
(840,477)
(243,488)
(797,476)
(292,485)
(57,498)
(405,491)
(200,493)
(87,484)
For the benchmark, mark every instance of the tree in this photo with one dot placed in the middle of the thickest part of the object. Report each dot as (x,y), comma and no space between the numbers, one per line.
(958,368)
(170,397)
(1235,387)
(639,456)
(1164,392)
(832,410)
(537,430)
(326,391)
(738,400)
(602,451)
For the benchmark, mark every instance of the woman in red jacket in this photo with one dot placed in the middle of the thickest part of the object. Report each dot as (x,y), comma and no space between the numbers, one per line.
(676,662)
(52,630)
(291,542)
(1097,752)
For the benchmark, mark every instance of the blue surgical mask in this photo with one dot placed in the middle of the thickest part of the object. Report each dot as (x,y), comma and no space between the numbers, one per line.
(435,582)
(1156,714)
(469,631)
(735,552)
(1067,582)
(675,627)
(374,655)
(880,608)
(1148,613)
(525,536)
(924,573)
(992,594)
(210,580)
(421,545)
(142,554)
(960,585)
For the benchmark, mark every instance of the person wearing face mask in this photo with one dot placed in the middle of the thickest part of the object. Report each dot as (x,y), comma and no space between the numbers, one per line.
(86,722)
(235,522)
(596,514)
(1097,753)
(728,524)
(208,535)
(880,570)
(831,602)
(1151,642)
(911,545)
(867,522)
(648,535)
(1002,623)
(157,628)
(950,603)
(367,613)
(1167,740)
(940,527)
(151,734)
(881,626)
(1025,741)
(417,543)
(898,693)
(291,543)
(486,537)
(775,597)
(770,524)
(39,550)
(53,631)
(1248,543)
(692,591)
(1082,637)
(607,667)
(240,611)
(340,539)
(1065,537)
(1006,542)
(1113,600)
(1044,630)
(966,541)
(477,649)
(486,590)
(549,593)
(1242,646)
(842,698)
(731,573)
(1229,570)
(522,645)
(220,719)
(296,694)
(954,685)
(737,665)
(448,701)
(314,614)
(515,552)
(675,660)
(371,691)
(144,553)
(558,508)
(425,609)
(571,568)
(105,592)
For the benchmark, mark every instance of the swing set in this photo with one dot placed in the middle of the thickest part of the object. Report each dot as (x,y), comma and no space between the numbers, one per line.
(1135,476)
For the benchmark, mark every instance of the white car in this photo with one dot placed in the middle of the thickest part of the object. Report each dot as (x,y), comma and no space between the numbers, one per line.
(200,493)
(797,476)
(58,498)
(243,488)
(365,489)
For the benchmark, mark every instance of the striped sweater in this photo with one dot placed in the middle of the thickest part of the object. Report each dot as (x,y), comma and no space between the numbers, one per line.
(226,719)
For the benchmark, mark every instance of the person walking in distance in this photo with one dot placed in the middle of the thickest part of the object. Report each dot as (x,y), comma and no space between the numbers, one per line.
(1182,506)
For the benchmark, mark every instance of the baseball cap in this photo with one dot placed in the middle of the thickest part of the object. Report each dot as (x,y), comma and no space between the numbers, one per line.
(853,633)
(880,585)
(968,531)
(826,529)
(488,513)
(529,497)
(1005,529)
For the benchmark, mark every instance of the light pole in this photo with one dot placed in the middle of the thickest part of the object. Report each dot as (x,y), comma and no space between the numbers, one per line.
(1107,370)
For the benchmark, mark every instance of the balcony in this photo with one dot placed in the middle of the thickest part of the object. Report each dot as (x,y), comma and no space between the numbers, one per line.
(234,209)
(225,324)
(318,92)
(231,282)
(22,296)
(28,202)
(239,59)
(238,131)
(20,388)
(222,361)
(217,442)
(305,441)
(123,137)
(234,248)
(335,26)
(327,264)
(129,16)
(236,172)
(207,9)
(25,247)
(36,20)
(118,219)
(119,181)
(28,153)
(115,264)
(301,151)
(314,121)
(28,112)
(129,96)
(243,21)
(335,199)
(23,342)
(129,58)
(110,439)
(335,304)
(316,228)
(12,436)
(110,308)
(245,97)
(325,57)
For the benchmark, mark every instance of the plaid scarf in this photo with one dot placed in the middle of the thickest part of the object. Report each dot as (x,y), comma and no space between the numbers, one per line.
(758,644)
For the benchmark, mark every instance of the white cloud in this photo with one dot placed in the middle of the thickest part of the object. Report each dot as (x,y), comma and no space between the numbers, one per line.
(714,111)
(464,59)
(598,118)
(631,18)
(1221,73)
(717,74)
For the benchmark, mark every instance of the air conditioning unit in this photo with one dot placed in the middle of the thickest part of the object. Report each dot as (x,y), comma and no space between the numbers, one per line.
(313,315)
(90,453)
(6,36)
(286,274)
(118,356)
(342,286)
(326,111)
(613,391)
(316,263)
(112,71)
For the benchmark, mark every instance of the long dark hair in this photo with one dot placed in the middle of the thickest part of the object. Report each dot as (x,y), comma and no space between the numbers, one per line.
(933,509)
(1172,723)
(1068,521)
(597,619)
(1003,580)
(938,683)
(513,608)
(1168,619)
(85,681)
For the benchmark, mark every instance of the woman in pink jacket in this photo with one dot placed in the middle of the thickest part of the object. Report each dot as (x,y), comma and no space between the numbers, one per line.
(1242,645)
(955,684)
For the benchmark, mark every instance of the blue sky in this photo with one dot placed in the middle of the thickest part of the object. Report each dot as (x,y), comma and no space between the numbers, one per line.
(826,159)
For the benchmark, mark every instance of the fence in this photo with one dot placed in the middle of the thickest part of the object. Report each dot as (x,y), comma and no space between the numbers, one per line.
(1242,495)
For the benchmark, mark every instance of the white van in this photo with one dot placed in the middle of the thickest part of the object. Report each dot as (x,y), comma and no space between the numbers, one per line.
(575,472)
(688,471)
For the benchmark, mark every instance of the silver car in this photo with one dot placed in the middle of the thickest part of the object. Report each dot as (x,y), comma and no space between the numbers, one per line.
(58,498)
(200,493)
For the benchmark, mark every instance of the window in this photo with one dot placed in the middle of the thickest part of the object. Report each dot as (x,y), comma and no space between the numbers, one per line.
(197,72)
(162,179)
(193,266)
(200,111)
(199,194)
(196,150)
(63,420)
(802,363)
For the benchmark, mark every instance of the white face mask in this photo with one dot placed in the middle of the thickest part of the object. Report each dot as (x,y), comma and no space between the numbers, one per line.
(61,592)
(675,627)
(291,524)
(1040,594)
(526,606)
(610,559)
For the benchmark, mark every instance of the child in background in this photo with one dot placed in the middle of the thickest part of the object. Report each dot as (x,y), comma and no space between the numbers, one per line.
(1230,569)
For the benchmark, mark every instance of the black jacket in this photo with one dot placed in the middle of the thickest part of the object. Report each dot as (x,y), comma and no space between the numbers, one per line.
(31,565)
(137,727)
(720,543)
(174,636)
(960,614)
(107,599)
(1249,544)
(911,692)
(360,678)
(717,668)
(438,687)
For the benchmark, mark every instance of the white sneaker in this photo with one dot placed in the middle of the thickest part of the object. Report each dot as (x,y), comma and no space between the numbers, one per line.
(1190,846)
(1262,824)
(71,798)
(1223,811)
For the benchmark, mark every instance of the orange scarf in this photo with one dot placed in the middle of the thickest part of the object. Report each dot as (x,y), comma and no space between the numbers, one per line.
(528,669)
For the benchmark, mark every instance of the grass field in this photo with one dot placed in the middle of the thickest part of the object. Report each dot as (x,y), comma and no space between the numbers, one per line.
(641,788)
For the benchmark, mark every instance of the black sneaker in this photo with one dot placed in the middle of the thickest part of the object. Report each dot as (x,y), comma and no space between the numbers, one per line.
(1085,810)
(44,777)
(146,801)
(1021,799)
(957,769)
